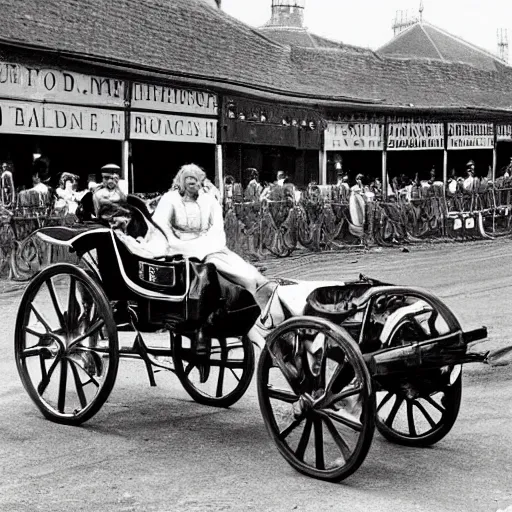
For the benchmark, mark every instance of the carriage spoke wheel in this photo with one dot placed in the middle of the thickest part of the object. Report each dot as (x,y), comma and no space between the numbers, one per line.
(66,344)
(315,397)
(231,366)
(420,419)
(418,409)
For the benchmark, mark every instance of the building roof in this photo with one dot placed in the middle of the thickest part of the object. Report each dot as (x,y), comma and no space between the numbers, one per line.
(303,37)
(189,40)
(413,83)
(423,40)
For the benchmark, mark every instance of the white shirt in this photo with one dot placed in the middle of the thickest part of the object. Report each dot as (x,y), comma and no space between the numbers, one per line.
(193,228)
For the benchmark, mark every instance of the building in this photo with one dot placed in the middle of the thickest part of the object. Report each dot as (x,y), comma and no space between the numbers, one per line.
(153,84)
(286,26)
(422,40)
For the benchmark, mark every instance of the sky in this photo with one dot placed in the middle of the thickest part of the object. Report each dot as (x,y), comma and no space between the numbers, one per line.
(368,22)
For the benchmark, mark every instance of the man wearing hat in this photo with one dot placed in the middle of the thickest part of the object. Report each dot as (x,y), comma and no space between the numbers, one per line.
(109,191)
(470,178)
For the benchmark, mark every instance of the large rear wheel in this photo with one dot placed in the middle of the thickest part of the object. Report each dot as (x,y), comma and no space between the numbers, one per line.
(66,344)
(316,399)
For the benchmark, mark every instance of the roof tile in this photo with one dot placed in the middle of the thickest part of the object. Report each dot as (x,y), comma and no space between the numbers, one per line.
(188,37)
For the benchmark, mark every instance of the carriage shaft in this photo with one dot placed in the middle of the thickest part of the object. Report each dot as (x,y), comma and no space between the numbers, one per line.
(433,353)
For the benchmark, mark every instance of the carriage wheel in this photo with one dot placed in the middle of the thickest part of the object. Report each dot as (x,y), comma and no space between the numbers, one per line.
(66,344)
(231,364)
(316,399)
(420,419)
(420,409)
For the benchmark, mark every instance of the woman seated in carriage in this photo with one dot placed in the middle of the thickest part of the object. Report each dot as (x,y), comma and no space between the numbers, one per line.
(192,222)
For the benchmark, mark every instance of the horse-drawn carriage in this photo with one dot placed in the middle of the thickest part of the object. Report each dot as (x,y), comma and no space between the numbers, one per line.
(337,359)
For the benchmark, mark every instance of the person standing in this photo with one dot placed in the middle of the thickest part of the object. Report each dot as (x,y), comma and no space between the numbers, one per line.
(67,197)
(254,188)
(469,181)
(280,178)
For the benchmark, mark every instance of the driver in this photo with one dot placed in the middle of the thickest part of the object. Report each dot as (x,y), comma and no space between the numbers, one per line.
(109,191)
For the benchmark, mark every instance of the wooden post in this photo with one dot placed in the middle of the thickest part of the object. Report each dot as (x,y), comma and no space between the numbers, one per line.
(322,162)
(219,170)
(445,154)
(125,165)
(385,160)
(494,152)
(445,166)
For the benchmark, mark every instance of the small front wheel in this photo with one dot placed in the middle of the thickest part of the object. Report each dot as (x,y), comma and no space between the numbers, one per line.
(410,417)
(66,344)
(316,398)
(231,367)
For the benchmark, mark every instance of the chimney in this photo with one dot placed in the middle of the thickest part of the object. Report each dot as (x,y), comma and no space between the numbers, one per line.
(287,13)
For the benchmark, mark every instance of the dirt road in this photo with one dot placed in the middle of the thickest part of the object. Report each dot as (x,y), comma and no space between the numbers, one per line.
(153,449)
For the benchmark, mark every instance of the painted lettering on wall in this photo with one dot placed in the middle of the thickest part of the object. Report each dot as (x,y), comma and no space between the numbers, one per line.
(60,120)
(504,132)
(165,127)
(470,135)
(25,82)
(415,136)
(172,99)
(353,136)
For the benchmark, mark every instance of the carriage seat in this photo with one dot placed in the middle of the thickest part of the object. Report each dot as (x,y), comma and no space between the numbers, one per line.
(336,302)
(289,299)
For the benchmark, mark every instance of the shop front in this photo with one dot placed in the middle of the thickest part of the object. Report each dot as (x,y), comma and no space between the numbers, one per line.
(503,149)
(415,150)
(353,148)
(75,121)
(470,141)
(170,127)
(270,138)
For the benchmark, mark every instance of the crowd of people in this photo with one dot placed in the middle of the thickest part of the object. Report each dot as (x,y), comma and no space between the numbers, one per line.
(64,196)
(399,188)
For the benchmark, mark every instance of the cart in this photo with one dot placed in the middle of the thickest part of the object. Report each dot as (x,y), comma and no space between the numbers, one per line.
(337,359)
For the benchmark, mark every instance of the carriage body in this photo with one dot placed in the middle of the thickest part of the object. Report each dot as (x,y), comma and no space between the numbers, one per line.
(337,359)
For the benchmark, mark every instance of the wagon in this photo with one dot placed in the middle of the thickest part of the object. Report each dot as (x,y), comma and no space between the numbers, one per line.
(337,359)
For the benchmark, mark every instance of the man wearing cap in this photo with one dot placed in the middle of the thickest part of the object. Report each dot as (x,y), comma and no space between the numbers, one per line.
(470,178)
(108,192)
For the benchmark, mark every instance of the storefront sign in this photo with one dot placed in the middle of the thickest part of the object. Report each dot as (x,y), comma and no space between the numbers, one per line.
(504,132)
(171,99)
(415,136)
(353,136)
(60,120)
(18,81)
(470,135)
(165,127)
